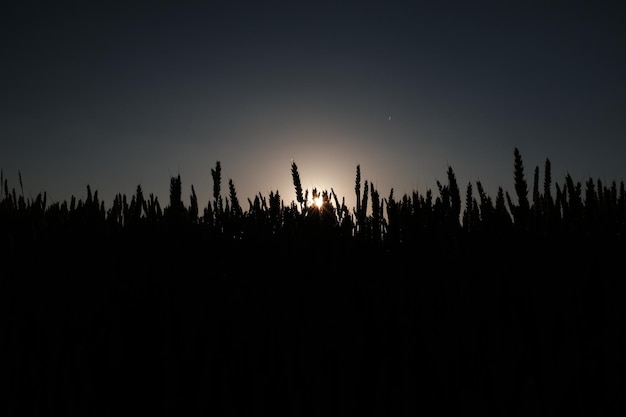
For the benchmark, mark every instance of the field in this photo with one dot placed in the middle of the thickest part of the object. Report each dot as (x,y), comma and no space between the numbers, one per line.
(435,303)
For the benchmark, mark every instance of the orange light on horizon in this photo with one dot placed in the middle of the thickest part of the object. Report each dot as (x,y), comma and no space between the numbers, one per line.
(317,201)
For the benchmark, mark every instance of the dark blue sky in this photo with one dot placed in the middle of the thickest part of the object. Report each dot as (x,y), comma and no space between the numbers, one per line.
(116,95)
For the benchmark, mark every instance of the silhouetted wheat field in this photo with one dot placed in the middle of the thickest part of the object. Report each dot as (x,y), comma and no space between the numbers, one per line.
(450,302)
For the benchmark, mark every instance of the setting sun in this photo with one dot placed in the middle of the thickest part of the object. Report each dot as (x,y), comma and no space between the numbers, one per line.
(316,201)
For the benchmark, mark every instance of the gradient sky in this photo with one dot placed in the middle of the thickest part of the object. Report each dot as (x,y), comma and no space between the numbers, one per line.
(117,95)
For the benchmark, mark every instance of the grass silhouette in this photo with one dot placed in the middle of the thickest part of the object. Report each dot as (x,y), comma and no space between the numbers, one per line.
(400,305)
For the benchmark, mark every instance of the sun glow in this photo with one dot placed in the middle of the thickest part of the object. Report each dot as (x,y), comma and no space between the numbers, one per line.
(316,201)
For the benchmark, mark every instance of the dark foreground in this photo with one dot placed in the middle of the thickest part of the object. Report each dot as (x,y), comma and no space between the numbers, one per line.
(166,325)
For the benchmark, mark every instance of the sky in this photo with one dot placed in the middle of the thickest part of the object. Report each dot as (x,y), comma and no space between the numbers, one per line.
(116,95)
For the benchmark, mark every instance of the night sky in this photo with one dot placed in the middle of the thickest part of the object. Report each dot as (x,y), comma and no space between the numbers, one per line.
(120,95)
